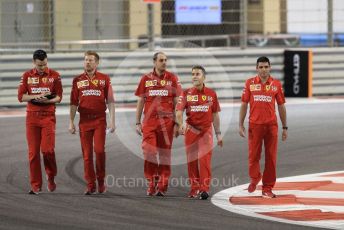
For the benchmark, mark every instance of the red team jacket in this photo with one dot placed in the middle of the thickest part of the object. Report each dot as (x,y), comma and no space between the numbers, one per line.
(33,83)
(200,106)
(91,96)
(262,98)
(158,93)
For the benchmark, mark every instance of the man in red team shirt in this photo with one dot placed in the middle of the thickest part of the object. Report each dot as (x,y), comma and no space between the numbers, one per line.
(157,93)
(261,92)
(41,88)
(202,111)
(91,91)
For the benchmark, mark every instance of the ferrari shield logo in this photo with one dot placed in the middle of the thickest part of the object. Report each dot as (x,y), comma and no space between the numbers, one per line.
(44,80)
(95,82)
(204,97)
(162,82)
(267,87)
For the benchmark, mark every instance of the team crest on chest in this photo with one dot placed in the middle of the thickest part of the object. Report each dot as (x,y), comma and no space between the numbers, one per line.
(45,80)
(162,82)
(267,87)
(95,82)
(204,97)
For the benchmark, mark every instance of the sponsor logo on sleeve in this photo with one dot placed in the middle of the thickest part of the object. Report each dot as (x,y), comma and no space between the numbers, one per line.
(82,84)
(192,98)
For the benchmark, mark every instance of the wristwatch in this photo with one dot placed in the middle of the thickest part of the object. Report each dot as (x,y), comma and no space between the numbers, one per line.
(285,127)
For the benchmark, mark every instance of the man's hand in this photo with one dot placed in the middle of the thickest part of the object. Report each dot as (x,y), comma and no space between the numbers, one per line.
(41,98)
(111,128)
(71,128)
(139,129)
(219,140)
(178,130)
(242,131)
(284,135)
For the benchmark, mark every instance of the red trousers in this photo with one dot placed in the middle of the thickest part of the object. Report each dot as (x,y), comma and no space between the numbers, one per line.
(92,138)
(156,145)
(257,135)
(40,135)
(199,146)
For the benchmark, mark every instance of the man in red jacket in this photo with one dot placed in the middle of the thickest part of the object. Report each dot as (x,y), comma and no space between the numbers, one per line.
(262,92)
(157,93)
(91,91)
(202,111)
(41,88)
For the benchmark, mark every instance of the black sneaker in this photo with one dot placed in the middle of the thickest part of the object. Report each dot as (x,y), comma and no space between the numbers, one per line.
(35,192)
(90,192)
(159,193)
(204,195)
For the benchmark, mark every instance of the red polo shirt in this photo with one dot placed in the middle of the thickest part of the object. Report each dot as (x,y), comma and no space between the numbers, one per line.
(200,106)
(32,83)
(91,96)
(262,99)
(158,93)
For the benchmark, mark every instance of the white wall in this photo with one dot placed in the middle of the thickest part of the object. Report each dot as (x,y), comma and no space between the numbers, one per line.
(310,16)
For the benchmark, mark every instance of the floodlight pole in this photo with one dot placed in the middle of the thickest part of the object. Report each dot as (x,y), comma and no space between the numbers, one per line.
(52,42)
(243,24)
(330,40)
(150,28)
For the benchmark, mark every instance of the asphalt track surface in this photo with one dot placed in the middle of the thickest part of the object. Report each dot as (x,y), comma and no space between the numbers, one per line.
(315,144)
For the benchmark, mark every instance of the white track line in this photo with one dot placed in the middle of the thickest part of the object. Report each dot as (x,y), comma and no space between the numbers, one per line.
(221,199)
